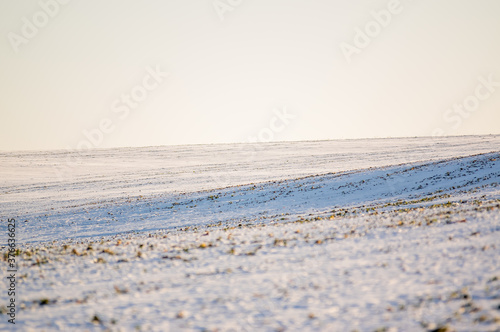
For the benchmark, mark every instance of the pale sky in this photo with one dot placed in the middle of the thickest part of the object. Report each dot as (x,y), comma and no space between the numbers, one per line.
(245,70)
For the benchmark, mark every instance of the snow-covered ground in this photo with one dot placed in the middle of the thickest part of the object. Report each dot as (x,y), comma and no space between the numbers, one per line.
(394,234)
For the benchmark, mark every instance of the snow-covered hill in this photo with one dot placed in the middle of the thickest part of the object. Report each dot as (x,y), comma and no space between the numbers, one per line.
(381,235)
(108,191)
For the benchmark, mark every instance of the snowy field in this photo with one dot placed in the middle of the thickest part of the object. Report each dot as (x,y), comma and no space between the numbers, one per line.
(354,235)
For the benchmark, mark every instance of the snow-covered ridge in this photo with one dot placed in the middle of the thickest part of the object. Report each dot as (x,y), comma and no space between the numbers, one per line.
(294,241)
(35,181)
(267,200)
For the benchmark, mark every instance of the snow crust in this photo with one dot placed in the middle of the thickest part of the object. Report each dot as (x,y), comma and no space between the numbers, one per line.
(389,234)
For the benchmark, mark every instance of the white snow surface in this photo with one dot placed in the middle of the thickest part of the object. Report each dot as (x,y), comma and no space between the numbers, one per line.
(66,194)
(380,234)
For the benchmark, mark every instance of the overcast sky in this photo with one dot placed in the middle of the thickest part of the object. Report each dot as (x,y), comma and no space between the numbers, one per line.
(86,74)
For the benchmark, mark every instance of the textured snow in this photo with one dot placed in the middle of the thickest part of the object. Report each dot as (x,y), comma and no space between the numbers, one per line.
(51,190)
(394,234)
